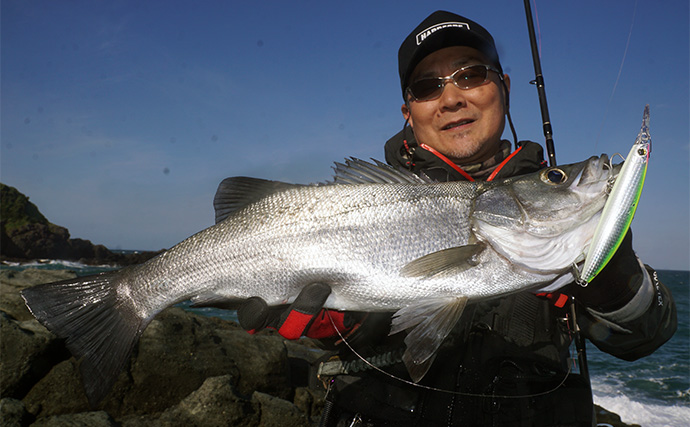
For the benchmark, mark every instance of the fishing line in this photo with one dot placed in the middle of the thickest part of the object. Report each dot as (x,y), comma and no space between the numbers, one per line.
(620,71)
(403,380)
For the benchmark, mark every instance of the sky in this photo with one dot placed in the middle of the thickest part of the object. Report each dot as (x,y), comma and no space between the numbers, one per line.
(119,118)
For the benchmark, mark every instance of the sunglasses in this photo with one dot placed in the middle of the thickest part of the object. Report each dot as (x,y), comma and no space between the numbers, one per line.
(464,78)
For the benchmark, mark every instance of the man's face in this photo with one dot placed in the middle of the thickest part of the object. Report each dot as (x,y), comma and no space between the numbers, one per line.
(463,124)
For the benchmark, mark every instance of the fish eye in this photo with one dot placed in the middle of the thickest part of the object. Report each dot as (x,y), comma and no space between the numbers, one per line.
(554,176)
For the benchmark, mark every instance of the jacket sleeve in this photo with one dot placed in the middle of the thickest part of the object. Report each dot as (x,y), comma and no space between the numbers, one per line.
(626,311)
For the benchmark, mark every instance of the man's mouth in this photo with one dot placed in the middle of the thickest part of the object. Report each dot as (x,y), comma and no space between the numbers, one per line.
(457,124)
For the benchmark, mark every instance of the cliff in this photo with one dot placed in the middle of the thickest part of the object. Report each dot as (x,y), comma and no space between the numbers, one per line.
(25,234)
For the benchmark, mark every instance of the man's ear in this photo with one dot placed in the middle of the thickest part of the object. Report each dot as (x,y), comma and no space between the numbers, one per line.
(405,109)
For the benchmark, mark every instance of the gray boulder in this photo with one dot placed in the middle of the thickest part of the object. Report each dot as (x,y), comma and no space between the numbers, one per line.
(28,351)
(215,403)
(12,282)
(85,419)
(13,413)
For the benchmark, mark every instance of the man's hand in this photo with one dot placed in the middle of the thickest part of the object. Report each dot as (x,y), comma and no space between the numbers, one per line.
(304,317)
(618,282)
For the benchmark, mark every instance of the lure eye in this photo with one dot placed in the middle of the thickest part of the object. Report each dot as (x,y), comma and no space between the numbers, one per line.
(554,176)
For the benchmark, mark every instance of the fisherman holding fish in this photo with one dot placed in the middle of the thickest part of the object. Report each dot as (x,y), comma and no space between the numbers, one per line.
(507,361)
(465,244)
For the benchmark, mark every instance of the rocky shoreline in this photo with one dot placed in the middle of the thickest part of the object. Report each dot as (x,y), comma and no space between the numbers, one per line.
(186,370)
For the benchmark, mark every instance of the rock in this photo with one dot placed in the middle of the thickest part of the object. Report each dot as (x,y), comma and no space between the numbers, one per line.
(28,353)
(41,241)
(12,282)
(13,413)
(59,392)
(605,417)
(278,412)
(179,350)
(7,247)
(215,403)
(16,210)
(174,356)
(85,419)
(310,401)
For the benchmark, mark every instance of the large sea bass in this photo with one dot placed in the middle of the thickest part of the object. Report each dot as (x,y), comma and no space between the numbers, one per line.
(383,240)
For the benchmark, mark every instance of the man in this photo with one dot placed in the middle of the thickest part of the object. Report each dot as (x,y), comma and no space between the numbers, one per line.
(507,361)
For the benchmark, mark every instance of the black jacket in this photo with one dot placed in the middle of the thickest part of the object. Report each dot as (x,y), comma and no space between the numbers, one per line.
(507,361)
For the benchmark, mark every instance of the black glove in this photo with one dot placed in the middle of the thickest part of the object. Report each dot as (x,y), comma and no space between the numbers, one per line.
(616,284)
(304,317)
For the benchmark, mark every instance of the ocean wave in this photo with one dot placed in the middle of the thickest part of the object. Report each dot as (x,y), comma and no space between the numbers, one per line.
(44,262)
(645,414)
(79,268)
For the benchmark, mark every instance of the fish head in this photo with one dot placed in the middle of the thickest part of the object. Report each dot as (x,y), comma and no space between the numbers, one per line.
(542,221)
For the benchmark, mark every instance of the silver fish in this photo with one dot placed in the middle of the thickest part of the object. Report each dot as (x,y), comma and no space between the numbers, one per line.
(382,239)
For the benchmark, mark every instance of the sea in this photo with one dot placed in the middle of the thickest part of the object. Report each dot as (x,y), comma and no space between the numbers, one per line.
(652,391)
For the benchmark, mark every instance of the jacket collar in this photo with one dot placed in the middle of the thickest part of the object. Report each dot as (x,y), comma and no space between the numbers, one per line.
(402,150)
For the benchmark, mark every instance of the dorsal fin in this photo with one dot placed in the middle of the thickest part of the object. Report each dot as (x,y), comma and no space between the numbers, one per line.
(239,191)
(356,171)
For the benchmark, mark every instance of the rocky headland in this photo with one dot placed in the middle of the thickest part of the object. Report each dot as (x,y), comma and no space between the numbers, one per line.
(25,234)
(185,370)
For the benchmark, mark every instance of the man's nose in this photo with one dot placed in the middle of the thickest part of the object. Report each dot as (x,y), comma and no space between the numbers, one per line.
(452,96)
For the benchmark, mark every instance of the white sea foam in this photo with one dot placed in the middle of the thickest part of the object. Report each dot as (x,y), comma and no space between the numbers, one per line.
(644,414)
(53,264)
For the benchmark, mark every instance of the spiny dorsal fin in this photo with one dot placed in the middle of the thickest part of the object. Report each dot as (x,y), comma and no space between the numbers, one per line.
(356,171)
(239,191)
(446,261)
(429,323)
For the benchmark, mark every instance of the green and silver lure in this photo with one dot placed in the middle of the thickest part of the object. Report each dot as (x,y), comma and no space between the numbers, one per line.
(620,206)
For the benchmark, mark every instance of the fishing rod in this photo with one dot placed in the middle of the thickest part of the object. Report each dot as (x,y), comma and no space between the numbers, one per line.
(539,82)
(551,152)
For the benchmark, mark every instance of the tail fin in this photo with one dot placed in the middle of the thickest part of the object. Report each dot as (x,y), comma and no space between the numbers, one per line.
(99,327)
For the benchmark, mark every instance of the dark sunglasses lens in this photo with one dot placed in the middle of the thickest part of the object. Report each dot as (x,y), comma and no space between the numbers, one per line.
(471,76)
(426,88)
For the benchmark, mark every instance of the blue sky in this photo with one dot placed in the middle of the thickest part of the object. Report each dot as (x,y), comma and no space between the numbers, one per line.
(120,118)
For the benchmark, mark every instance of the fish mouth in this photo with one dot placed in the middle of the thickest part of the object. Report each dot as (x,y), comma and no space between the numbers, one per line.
(597,171)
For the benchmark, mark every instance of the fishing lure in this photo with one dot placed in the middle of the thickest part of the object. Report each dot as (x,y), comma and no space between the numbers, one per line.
(620,207)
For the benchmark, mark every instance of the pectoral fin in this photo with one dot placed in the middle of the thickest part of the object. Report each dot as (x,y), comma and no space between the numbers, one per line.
(446,261)
(429,323)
